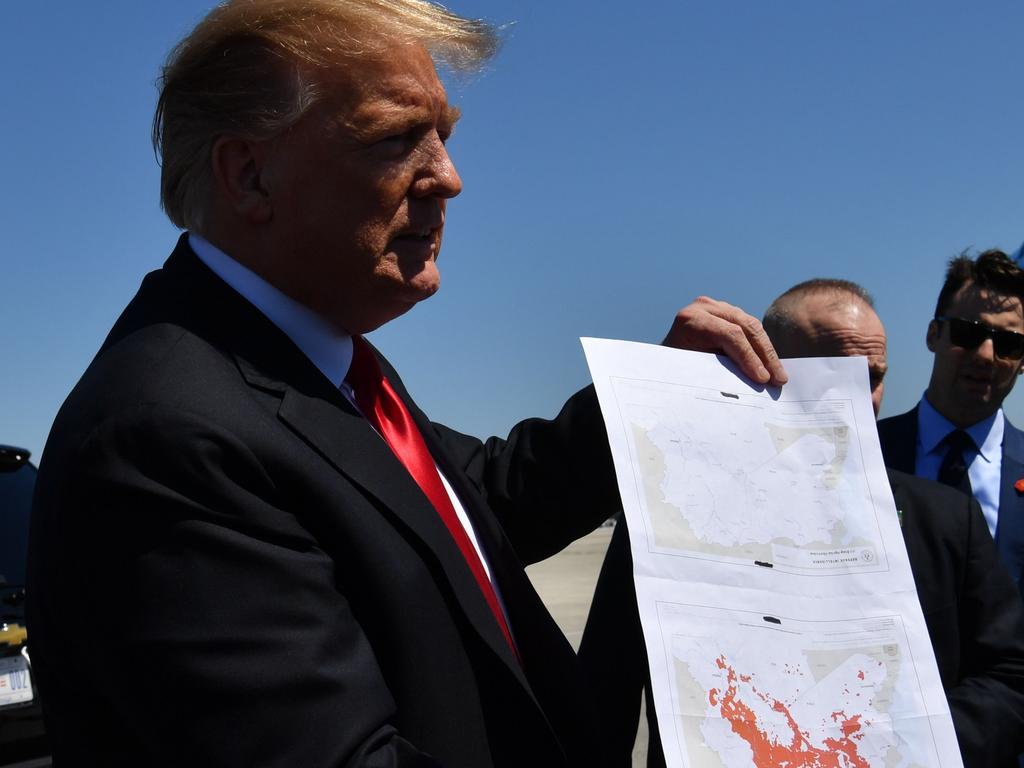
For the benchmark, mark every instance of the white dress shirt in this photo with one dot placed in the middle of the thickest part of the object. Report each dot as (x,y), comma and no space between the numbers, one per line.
(328,348)
(984,466)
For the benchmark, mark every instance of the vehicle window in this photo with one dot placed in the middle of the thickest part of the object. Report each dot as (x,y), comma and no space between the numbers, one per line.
(15,502)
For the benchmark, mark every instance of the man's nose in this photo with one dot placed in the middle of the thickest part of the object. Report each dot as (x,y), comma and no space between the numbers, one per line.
(986,351)
(439,177)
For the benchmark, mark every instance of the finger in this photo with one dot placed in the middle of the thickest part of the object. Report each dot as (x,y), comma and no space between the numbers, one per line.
(756,336)
(716,326)
(704,331)
(693,329)
(765,350)
(735,343)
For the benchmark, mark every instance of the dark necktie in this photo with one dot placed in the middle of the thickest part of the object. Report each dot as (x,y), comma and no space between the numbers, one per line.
(384,409)
(954,466)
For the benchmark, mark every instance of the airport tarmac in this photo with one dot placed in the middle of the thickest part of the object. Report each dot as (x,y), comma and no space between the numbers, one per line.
(566,584)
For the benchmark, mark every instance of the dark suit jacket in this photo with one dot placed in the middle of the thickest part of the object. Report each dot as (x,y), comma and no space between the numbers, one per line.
(974,615)
(898,435)
(230,568)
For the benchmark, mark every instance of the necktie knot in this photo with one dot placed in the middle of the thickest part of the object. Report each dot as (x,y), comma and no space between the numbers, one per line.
(953,471)
(365,377)
(959,440)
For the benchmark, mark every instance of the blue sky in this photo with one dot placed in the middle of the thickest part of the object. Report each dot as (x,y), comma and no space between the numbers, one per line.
(618,160)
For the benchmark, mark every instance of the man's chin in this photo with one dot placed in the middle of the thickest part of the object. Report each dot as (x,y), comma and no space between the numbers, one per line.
(425,284)
(974,394)
(415,295)
(974,404)
(410,295)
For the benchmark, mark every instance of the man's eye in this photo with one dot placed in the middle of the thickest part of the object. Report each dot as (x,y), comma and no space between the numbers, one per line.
(397,143)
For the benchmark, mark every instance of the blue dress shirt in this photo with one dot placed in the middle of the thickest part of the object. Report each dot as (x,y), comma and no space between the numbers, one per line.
(983,465)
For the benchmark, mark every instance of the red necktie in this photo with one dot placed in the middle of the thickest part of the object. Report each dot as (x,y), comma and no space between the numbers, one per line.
(384,409)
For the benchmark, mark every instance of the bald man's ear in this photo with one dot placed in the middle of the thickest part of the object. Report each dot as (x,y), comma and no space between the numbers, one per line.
(238,167)
(932,336)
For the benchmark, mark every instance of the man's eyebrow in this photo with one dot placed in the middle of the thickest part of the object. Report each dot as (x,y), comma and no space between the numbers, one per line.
(450,116)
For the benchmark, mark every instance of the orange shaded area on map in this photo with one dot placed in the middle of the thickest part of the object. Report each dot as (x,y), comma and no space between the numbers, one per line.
(798,752)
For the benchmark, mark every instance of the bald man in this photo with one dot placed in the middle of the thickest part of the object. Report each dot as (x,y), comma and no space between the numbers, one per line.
(830,318)
(971,606)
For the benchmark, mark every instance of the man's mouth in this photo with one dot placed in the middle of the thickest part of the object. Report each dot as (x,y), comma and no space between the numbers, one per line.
(421,245)
(976,381)
(424,236)
(427,228)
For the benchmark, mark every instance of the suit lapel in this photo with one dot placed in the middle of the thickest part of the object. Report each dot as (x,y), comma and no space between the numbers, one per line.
(528,616)
(317,411)
(898,436)
(1010,527)
(347,441)
(505,564)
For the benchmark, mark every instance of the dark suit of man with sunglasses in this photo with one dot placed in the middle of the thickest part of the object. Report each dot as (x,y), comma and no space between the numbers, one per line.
(977,336)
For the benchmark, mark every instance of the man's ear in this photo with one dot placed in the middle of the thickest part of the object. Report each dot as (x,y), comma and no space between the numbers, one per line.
(932,336)
(238,166)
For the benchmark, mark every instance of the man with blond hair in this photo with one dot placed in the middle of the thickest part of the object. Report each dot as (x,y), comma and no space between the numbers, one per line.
(250,547)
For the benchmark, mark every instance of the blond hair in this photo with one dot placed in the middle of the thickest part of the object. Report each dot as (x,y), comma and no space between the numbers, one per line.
(253,68)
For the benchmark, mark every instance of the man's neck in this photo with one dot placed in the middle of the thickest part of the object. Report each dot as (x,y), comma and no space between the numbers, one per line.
(329,349)
(957,417)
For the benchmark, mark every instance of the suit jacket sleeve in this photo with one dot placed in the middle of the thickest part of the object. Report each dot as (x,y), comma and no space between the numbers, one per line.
(987,702)
(550,482)
(223,637)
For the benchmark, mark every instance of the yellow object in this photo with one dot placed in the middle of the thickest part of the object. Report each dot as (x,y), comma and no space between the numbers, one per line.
(12,634)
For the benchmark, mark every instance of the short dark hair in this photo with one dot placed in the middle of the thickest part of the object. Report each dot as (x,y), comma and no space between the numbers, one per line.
(778,317)
(992,270)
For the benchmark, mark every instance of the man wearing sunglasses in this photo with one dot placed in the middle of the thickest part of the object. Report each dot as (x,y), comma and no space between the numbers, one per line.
(957,433)
(971,608)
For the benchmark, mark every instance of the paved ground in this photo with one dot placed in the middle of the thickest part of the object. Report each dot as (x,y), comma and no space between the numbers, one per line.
(566,581)
(566,584)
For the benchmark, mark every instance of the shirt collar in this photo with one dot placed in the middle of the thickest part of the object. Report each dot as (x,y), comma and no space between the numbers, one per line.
(329,349)
(932,428)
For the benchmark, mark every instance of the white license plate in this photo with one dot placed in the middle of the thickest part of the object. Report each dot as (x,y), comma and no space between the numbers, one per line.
(15,681)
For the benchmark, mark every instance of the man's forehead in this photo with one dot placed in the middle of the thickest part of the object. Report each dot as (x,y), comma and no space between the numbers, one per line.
(828,311)
(972,298)
(396,91)
(845,326)
(402,67)
(396,102)
(861,339)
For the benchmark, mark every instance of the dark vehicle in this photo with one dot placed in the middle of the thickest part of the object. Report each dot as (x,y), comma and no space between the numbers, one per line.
(21,718)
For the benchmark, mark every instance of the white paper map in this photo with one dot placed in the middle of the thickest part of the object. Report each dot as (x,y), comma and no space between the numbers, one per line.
(743,494)
(754,689)
(779,612)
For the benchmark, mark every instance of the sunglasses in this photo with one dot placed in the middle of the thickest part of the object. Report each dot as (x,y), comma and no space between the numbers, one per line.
(969,334)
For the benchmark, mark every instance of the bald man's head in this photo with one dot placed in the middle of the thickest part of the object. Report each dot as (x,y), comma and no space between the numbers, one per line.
(829,318)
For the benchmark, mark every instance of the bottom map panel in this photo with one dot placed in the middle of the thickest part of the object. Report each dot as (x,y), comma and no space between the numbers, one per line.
(749,689)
